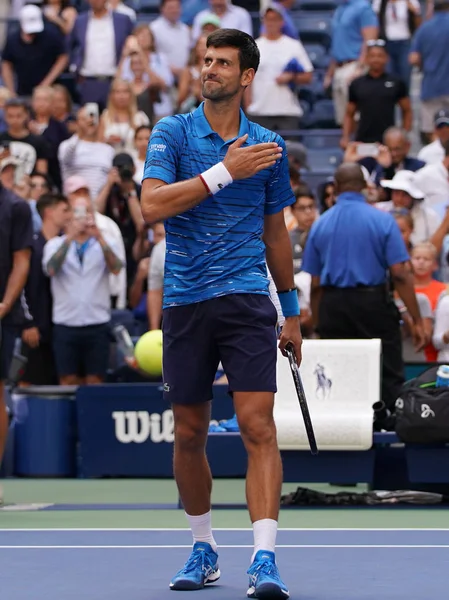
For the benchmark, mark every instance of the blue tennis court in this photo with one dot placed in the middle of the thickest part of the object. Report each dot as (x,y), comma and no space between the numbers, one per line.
(137,564)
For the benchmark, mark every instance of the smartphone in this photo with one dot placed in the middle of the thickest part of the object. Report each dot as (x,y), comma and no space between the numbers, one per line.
(93,111)
(80,212)
(364,150)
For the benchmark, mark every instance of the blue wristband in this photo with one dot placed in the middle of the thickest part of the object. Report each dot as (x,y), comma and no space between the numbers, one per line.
(289,303)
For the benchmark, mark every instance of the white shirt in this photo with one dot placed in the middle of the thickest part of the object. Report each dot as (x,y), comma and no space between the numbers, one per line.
(99,57)
(433,180)
(117,283)
(396,27)
(425,220)
(126,10)
(432,153)
(235,17)
(157,266)
(173,40)
(80,292)
(268,97)
(91,160)
(440,328)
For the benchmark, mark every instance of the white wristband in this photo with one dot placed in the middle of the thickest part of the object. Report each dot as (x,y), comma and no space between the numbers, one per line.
(216,178)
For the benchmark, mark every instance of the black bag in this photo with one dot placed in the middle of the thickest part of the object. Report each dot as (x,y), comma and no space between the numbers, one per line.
(422,411)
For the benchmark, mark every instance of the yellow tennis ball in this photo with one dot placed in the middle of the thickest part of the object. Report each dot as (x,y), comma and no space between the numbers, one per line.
(148,353)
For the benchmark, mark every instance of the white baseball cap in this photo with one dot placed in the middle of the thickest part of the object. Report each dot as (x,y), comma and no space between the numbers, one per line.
(404,181)
(31,20)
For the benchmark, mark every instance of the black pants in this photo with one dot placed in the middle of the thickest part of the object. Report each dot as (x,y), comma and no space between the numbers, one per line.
(366,313)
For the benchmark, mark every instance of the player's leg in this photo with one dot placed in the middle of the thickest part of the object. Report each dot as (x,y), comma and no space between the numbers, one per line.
(248,350)
(190,361)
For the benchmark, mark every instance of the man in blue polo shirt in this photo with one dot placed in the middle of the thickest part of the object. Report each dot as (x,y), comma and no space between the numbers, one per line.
(221,183)
(349,253)
(429,52)
(354,23)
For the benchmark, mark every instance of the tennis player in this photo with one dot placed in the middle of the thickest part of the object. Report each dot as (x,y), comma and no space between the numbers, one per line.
(220,183)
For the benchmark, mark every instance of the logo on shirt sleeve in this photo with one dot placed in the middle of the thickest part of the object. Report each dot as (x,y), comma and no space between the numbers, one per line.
(157,147)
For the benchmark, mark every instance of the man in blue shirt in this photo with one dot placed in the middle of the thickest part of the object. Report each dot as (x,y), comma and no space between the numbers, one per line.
(429,52)
(354,23)
(349,253)
(221,183)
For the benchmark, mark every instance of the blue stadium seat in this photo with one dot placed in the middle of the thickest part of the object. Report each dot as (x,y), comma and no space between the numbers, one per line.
(324,159)
(317,139)
(125,318)
(319,5)
(322,116)
(318,55)
(316,178)
(313,91)
(147,6)
(313,27)
(146,18)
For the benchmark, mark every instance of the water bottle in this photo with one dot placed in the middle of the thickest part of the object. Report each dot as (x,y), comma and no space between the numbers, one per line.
(443,376)
(124,341)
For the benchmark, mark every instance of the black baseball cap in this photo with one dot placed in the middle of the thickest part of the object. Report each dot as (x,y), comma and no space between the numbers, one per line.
(442,118)
(123,160)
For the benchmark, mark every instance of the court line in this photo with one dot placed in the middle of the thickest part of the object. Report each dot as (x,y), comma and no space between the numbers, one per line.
(229,546)
(168,529)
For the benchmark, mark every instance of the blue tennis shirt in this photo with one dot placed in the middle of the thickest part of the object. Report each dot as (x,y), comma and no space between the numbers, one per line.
(215,248)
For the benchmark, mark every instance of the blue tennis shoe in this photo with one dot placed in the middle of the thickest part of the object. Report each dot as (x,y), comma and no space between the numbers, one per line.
(265,583)
(200,569)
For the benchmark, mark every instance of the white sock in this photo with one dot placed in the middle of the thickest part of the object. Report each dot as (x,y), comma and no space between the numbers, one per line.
(201,527)
(265,532)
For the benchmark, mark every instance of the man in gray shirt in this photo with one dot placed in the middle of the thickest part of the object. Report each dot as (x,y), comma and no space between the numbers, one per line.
(156,285)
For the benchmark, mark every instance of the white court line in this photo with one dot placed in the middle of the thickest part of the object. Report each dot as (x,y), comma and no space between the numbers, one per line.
(168,529)
(189,546)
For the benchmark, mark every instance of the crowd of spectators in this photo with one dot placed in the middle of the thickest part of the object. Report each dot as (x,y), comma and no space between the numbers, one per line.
(84,82)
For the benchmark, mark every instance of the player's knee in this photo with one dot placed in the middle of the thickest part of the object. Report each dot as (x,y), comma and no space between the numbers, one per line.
(190,436)
(258,430)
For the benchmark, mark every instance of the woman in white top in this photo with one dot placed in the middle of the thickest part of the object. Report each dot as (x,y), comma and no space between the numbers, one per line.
(141,140)
(398,19)
(121,118)
(440,337)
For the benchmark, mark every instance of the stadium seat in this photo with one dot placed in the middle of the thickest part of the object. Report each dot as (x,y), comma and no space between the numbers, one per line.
(322,115)
(313,91)
(315,178)
(313,27)
(146,18)
(147,6)
(318,55)
(320,5)
(325,159)
(317,139)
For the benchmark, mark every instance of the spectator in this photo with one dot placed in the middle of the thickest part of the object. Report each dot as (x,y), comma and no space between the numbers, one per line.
(119,200)
(406,194)
(398,20)
(171,36)
(16,236)
(84,155)
(349,266)
(141,139)
(77,187)
(5,95)
(440,337)
(156,285)
(434,152)
(78,264)
(405,223)
(52,131)
(429,52)
(122,8)
(231,17)
(54,211)
(305,212)
(34,55)
(354,24)
(39,184)
(424,263)
(433,180)
(121,118)
(375,97)
(209,24)
(62,107)
(190,89)
(61,13)
(326,195)
(289,28)
(284,64)
(96,44)
(157,69)
(30,150)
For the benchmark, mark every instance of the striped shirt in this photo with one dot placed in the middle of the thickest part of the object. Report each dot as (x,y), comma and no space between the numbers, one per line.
(215,248)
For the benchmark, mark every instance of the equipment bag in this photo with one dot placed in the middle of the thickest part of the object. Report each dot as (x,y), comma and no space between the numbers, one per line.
(422,411)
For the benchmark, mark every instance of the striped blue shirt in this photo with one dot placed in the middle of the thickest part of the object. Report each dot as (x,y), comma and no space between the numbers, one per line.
(215,248)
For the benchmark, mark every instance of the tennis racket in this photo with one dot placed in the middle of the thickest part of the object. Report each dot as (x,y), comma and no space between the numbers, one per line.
(302,398)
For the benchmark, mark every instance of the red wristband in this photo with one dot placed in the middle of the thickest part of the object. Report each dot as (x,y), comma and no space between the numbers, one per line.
(205,185)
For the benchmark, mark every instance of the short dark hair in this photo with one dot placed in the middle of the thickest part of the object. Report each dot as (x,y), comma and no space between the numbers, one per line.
(17,103)
(48,200)
(249,55)
(303,191)
(141,128)
(164,2)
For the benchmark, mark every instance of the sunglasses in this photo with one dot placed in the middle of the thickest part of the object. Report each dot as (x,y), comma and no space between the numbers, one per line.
(375,44)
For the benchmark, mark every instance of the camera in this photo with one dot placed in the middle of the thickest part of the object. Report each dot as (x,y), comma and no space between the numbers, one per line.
(125,172)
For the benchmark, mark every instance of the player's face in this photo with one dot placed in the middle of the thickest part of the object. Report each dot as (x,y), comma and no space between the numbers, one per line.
(220,76)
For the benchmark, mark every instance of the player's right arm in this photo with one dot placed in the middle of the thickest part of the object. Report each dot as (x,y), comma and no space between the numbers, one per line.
(163,197)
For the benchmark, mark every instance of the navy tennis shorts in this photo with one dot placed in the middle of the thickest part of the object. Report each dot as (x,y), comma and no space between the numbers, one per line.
(238,329)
